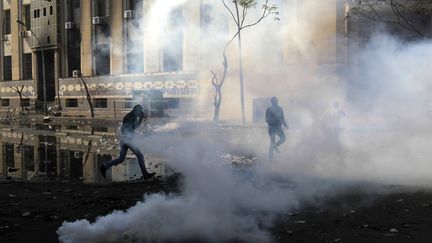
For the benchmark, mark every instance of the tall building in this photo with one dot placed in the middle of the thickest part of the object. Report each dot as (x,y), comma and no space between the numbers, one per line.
(105,42)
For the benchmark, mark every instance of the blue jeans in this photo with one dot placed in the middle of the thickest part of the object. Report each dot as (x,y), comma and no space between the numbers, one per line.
(273,131)
(124,146)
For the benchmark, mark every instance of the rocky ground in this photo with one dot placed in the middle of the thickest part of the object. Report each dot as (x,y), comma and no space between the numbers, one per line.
(33,211)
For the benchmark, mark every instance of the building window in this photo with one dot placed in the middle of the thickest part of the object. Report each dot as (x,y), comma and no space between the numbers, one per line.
(4,102)
(102,59)
(173,103)
(173,48)
(27,16)
(101,8)
(72,127)
(51,10)
(135,56)
(29,158)
(101,129)
(25,102)
(206,17)
(100,103)
(7,68)
(36,13)
(8,154)
(27,66)
(7,22)
(71,102)
(44,11)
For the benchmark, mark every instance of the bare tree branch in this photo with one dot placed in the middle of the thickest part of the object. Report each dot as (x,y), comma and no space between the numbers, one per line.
(230,11)
(370,12)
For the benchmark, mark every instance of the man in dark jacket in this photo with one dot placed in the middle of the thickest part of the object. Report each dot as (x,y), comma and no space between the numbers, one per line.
(130,123)
(275,119)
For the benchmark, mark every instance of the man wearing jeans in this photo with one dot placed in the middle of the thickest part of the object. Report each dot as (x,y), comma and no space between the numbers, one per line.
(131,121)
(275,119)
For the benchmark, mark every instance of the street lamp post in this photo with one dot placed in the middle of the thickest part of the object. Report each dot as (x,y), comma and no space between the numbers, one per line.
(44,92)
(43,66)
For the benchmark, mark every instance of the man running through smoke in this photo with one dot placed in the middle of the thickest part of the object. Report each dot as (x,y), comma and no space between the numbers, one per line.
(131,121)
(275,119)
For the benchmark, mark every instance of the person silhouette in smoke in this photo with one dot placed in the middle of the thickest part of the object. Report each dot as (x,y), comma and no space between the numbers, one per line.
(131,121)
(275,119)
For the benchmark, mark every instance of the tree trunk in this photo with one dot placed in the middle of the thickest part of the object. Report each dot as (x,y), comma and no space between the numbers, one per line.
(239,28)
(241,81)
(217,104)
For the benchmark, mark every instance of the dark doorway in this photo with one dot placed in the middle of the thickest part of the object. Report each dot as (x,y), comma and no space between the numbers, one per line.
(48,155)
(49,75)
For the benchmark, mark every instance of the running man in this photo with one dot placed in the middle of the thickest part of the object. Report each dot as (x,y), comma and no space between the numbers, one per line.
(130,123)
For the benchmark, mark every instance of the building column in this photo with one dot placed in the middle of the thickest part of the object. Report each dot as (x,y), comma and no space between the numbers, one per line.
(86,38)
(342,9)
(90,168)
(116,37)
(57,70)
(16,50)
(34,73)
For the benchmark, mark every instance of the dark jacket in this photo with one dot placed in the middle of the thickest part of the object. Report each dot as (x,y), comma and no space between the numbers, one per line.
(132,121)
(275,116)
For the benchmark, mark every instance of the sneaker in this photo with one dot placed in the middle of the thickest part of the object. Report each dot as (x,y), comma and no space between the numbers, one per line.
(149,175)
(103,170)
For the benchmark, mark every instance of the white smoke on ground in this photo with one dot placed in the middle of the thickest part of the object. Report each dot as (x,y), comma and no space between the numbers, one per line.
(384,138)
(218,202)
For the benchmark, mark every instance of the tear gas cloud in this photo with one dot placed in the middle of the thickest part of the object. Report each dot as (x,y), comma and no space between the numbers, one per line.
(385,138)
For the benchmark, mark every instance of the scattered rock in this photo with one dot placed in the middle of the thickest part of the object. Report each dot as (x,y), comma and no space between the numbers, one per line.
(299,222)
(337,240)
(12,195)
(400,200)
(290,232)
(393,230)
(26,214)
(46,193)
(426,205)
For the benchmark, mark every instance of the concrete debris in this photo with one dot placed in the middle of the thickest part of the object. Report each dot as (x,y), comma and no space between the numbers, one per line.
(337,240)
(26,214)
(393,230)
(240,159)
(400,200)
(12,195)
